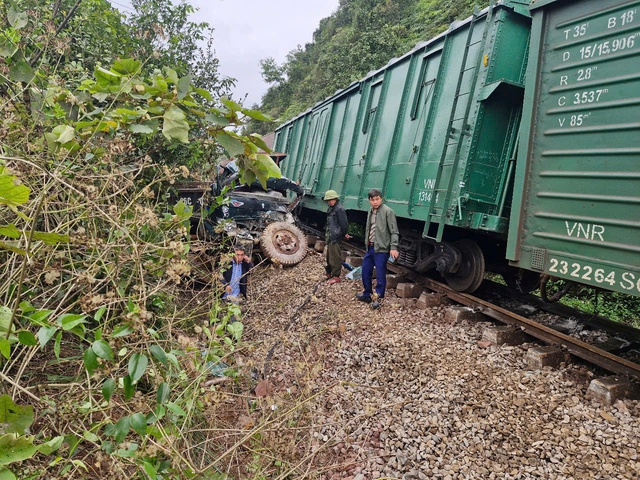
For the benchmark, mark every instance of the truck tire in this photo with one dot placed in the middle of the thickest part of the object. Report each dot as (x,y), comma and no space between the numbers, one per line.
(283,243)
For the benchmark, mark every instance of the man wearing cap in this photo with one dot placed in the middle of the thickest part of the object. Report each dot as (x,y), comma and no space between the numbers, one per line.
(336,230)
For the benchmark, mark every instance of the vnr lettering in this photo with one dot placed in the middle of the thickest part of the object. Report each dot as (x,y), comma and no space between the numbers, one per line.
(585,230)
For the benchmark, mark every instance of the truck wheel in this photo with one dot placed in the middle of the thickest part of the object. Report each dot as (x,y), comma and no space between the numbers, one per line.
(283,243)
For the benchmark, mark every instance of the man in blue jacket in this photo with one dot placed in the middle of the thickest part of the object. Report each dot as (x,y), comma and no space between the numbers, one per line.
(235,277)
(381,240)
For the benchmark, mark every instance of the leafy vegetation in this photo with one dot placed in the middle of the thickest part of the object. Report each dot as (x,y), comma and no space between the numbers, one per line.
(97,377)
(362,35)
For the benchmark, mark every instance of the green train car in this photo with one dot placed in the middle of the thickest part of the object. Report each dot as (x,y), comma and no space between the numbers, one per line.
(439,131)
(576,208)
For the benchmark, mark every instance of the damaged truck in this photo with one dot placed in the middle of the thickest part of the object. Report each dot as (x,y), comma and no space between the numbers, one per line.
(261,219)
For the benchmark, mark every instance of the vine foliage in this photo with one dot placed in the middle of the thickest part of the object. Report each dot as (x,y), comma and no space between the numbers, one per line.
(98,375)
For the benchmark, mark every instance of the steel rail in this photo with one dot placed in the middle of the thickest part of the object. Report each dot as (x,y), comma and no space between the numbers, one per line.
(576,347)
(580,349)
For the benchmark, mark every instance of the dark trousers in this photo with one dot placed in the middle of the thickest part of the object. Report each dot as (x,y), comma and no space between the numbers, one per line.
(379,260)
(334,259)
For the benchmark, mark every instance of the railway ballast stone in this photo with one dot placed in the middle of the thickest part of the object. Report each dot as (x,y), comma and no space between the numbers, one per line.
(393,280)
(430,300)
(409,290)
(460,314)
(354,260)
(546,356)
(608,390)
(400,392)
(503,335)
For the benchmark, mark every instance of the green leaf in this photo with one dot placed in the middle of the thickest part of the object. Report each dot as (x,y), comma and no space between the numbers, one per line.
(118,431)
(149,469)
(127,66)
(45,334)
(108,387)
(172,76)
(7,47)
(51,446)
(102,349)
(15,449)
(12,194)
(13,249)
(137,365)
(21,72)
(175,126)
(136,128)
(5,320)
(235,329)
(10,231)
(129,389)
(57,343)
(230,104)
(163,393)
(68,321)
(257,140)
(138,422)
(217,119)
(16,418)
(90,360)
(39,316)
(27,338)
(98,315)
(6,474)
(266,168)
(64,133)
(176,409)
(122,330)
(204,93)
(17,18)
(5,348)
(183,86)
(106,79)
(233,146)
(257,115)
(159,354)
(50,238)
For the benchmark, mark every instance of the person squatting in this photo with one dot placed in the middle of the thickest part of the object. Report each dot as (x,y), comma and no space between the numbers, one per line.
(235,277)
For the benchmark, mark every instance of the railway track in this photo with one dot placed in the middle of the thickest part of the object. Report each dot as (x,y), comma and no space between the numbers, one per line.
(590,353)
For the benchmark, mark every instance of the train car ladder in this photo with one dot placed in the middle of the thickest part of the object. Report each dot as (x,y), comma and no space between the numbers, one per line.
(456,160)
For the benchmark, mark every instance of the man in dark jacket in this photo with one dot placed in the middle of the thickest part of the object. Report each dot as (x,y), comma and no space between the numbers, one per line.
(381,240)
(336,230)
(235,277)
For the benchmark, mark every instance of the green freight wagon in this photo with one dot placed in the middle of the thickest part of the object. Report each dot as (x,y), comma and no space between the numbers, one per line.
(436,130)
(576,209)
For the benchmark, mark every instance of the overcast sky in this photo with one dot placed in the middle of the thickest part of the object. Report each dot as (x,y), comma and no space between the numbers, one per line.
(247,31)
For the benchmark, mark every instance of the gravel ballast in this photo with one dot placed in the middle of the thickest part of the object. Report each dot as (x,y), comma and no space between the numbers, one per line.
(402,393)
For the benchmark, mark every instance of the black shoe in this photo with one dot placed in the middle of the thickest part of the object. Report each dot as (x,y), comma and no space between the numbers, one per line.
(376,305)
(363,298)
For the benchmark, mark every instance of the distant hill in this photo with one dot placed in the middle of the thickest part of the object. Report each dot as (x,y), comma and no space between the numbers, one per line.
(362,35)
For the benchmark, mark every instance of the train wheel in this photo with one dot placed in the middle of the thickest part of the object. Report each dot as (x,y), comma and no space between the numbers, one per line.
(283,243)
(470,273)
(524,281)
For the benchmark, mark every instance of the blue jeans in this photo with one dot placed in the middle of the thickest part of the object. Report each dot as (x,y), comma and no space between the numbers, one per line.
(379,259)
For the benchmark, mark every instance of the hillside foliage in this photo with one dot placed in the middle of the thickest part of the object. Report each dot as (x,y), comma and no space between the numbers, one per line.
(360,36)
(100,116)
